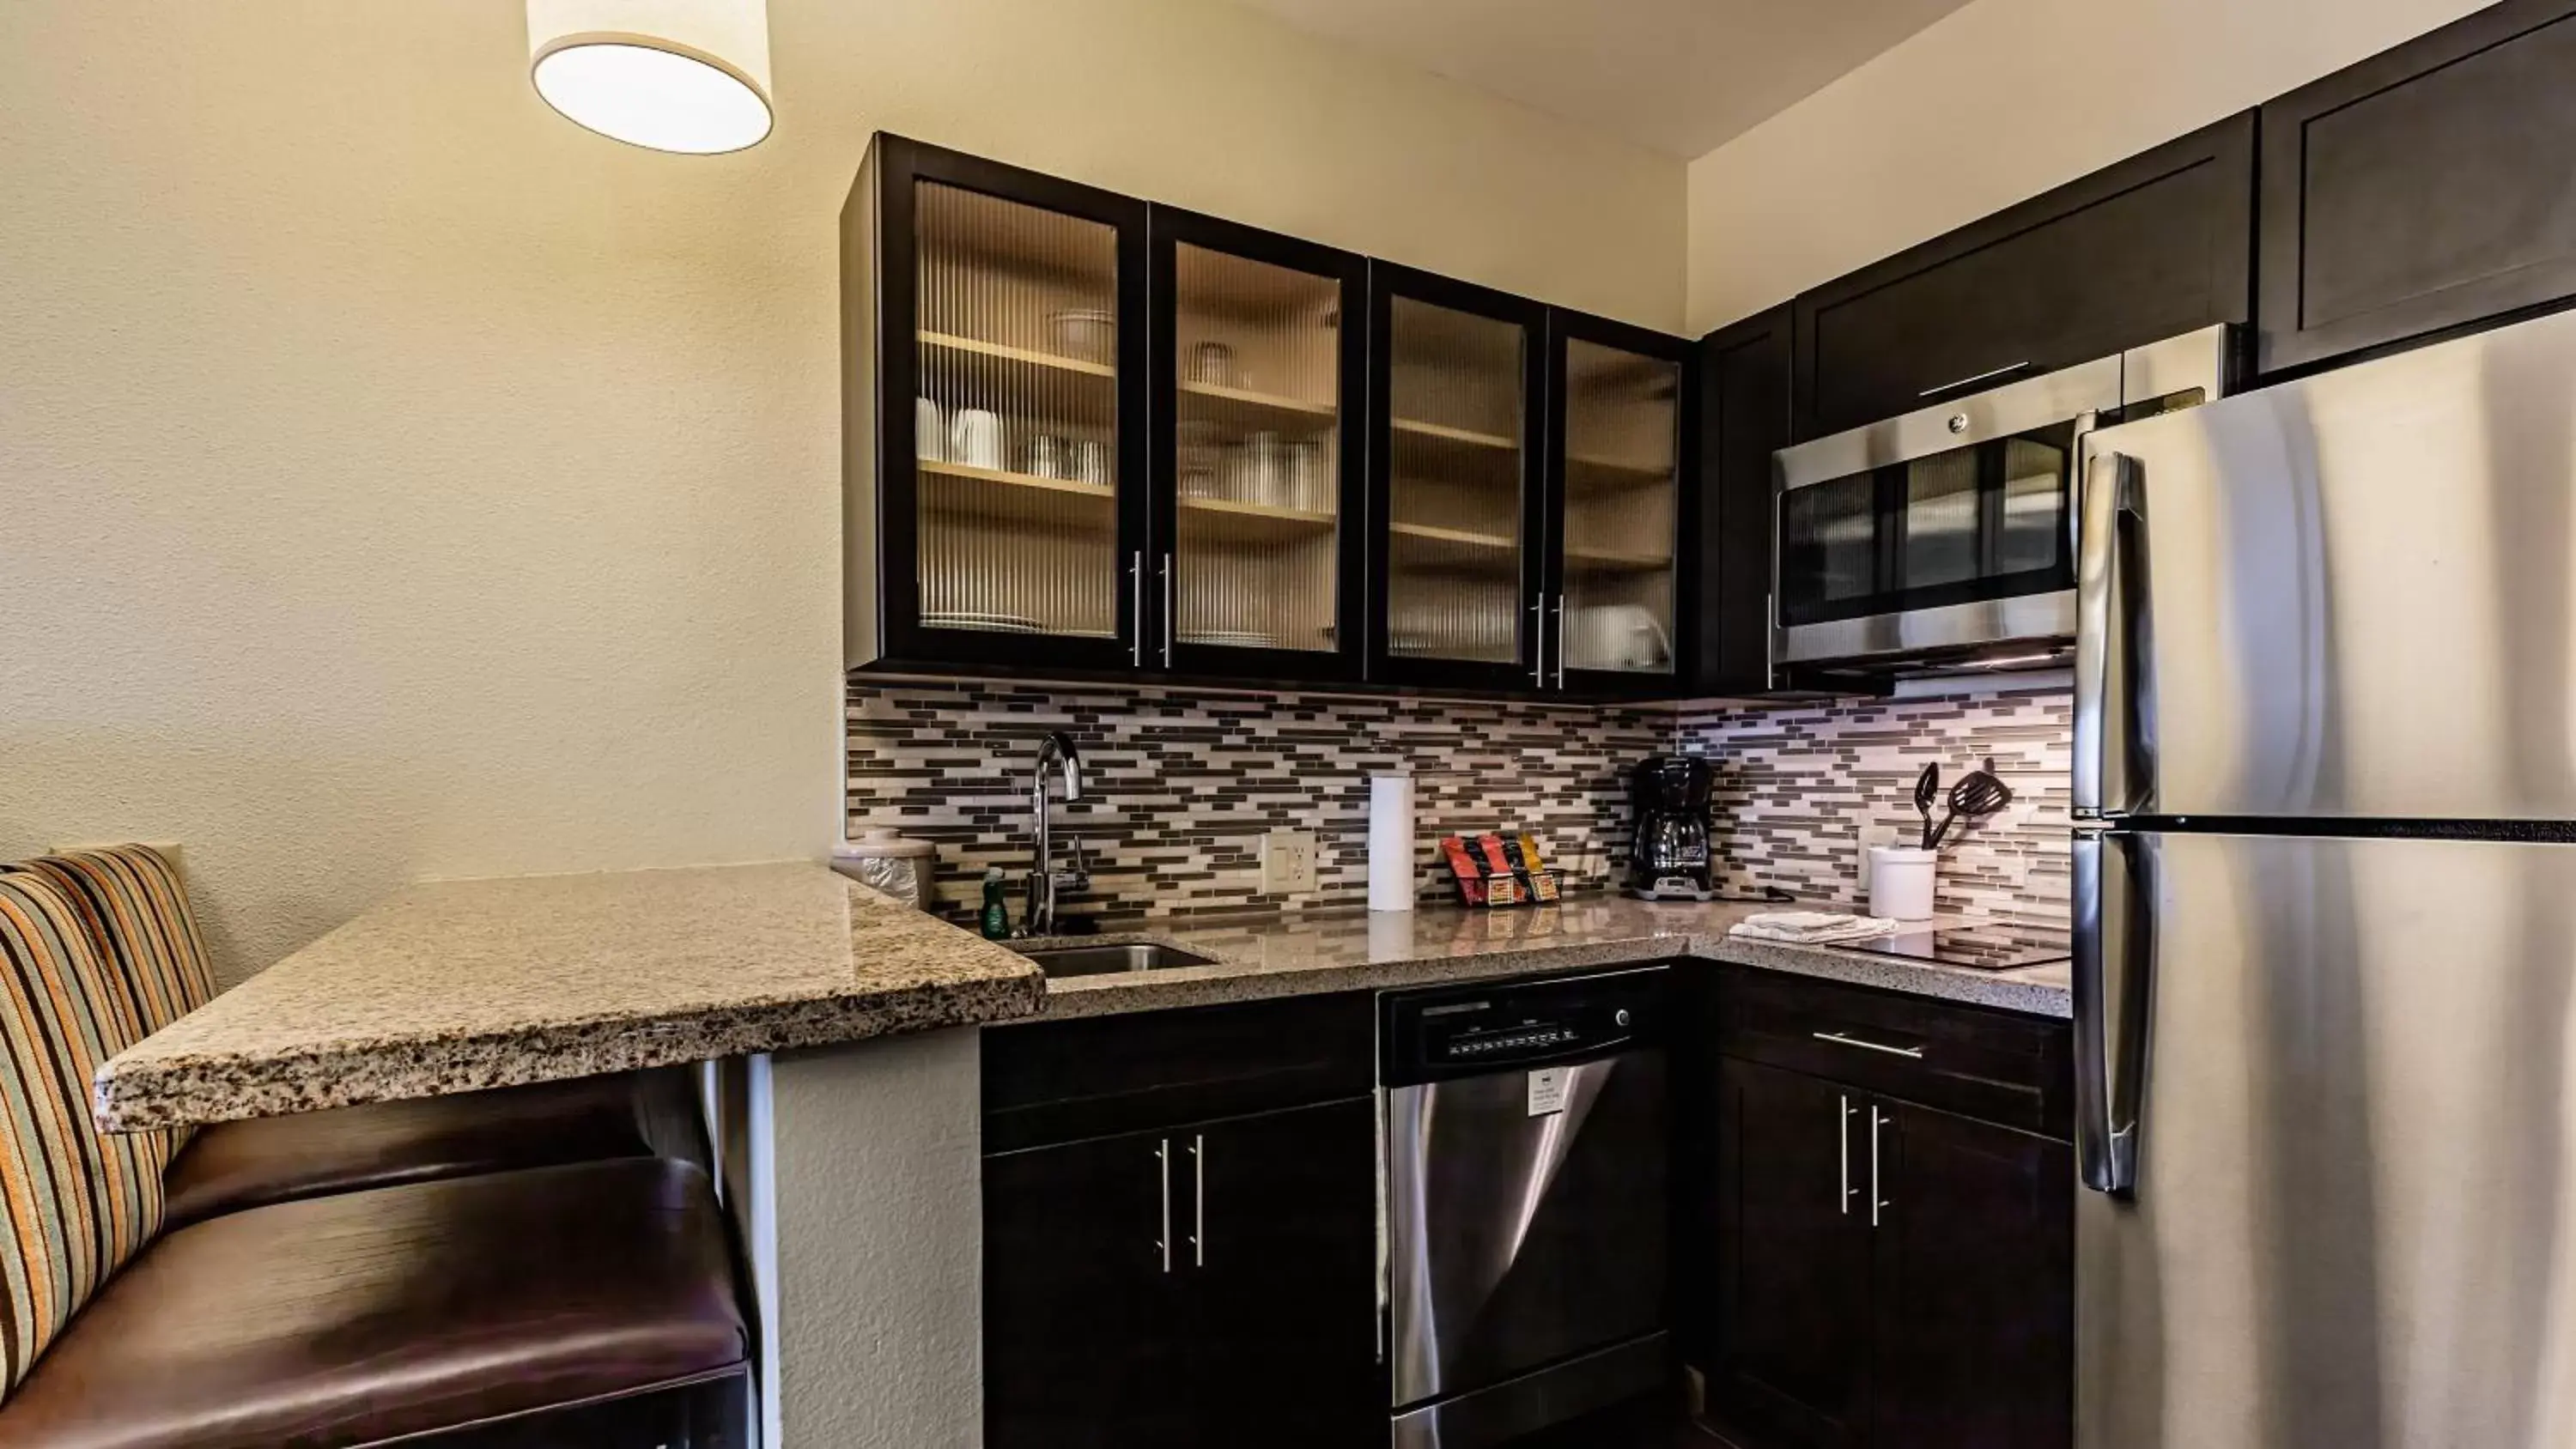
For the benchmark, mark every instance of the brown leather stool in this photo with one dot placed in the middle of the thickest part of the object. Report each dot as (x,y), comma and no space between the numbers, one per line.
(454,1308)
(235,1165)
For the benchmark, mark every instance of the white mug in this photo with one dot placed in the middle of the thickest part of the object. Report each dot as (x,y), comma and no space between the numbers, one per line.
(975,438)
(929,431)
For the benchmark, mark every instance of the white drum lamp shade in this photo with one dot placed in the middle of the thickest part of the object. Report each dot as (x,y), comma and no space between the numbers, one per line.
(674,75)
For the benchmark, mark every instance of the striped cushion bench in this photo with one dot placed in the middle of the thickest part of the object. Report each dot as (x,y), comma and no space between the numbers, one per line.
(79,1204)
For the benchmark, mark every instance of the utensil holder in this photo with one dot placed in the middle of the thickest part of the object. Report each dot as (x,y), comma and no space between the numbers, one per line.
(1901,881)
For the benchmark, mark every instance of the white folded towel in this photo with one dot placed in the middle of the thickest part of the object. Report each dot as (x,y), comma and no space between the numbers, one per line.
(1811,928)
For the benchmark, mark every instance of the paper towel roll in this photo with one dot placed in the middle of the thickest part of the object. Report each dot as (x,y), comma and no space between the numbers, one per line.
(1390,842)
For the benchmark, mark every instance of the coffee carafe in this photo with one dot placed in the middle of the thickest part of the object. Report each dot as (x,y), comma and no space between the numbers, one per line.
(1669,860)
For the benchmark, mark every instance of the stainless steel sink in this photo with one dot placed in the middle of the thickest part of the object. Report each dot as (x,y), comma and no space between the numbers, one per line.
(1102,960)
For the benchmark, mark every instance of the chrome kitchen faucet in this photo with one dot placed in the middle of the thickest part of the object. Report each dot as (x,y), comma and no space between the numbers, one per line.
(1039,919)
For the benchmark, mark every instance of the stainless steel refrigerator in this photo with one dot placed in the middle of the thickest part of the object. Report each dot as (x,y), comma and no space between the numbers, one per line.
(2325,888)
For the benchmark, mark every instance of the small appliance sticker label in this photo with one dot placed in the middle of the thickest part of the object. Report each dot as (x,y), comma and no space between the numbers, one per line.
(1547,1091)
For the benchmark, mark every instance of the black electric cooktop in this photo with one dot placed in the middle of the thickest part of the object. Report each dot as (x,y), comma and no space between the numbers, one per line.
(1983,945)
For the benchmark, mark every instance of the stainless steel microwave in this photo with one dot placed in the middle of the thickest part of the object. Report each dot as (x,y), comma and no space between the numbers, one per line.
(1945,538)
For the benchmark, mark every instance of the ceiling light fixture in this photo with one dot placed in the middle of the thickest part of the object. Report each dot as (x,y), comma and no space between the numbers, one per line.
(690,76)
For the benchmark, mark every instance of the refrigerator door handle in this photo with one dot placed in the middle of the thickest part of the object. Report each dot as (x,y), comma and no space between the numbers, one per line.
(2114,962)
(2114,762)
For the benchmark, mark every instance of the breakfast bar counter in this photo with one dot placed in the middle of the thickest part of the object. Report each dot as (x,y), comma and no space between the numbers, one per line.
(461,985)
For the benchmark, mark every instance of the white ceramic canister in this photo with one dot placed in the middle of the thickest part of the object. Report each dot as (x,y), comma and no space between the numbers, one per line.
(903,868)
(1900,882)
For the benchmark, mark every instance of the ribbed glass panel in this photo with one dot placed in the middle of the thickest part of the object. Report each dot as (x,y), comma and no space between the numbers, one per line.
(1622,487)
(1016,427)
(1260,459)
(1454,494)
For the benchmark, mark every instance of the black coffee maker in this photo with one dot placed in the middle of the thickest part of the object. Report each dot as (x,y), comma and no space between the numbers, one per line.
(1670,860)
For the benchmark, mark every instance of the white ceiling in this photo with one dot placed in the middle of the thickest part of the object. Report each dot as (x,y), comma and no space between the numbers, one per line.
(1682,76)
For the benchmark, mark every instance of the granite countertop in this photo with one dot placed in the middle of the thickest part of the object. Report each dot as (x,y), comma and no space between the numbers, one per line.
(461,985)
(1292,955)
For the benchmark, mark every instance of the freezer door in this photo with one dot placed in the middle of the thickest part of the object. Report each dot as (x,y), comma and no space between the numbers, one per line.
(2352,1223)
(2349,597)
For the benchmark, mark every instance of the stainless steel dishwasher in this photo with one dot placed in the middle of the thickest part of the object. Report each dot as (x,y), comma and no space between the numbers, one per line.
(1526,1213)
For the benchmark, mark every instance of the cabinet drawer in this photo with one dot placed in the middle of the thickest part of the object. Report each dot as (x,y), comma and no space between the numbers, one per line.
(2154,247)
(1058,1081)
(2013,1071)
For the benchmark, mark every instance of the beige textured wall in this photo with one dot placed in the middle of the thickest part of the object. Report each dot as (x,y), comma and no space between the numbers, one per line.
(398,482)
(1997,102)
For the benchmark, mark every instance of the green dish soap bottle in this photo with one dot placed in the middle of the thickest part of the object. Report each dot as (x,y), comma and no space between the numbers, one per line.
(997,914)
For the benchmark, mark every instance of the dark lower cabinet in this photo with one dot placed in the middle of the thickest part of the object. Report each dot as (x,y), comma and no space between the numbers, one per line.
(1793,1279)
(1972,1276)
(1213,1283)
(1880,1273)
(1086,1339)
(1284,1273)
(1180,1229)
(2423,190)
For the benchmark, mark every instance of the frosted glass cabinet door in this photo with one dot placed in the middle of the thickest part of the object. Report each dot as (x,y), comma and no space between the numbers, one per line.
(1256,526)
(1619,503)
(1463,539)
(1016,419)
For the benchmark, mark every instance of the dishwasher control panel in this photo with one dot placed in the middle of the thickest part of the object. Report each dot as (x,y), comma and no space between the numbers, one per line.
(1443,1032)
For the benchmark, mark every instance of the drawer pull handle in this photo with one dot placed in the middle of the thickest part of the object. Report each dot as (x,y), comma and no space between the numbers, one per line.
(1838,1039)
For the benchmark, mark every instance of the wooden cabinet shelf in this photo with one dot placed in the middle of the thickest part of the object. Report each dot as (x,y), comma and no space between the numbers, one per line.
(1243,408)
(1009,479)
(1604,559)
(1225,520)
(1018,356)
(1614,473)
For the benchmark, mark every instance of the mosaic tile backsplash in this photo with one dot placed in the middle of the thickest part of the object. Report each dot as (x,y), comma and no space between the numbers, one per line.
(1800,787)
(1180,786)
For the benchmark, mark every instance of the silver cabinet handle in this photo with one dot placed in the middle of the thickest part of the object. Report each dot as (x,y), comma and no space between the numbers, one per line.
(1538,639)
(1877,1201)
(1136,598)
(1163,1161)
(1844,1156)
(2115,951)
(2114,770)
(1838,1039)
(1170,623)
(1198,1204)
(1560,641)
(1989,375)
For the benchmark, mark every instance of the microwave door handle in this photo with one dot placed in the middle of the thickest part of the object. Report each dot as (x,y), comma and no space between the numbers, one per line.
(2113,768)
(2114,941)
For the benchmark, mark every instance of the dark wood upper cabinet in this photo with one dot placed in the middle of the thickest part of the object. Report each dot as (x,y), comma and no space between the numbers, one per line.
(1458,519)
(2153,247)
(995,460)
(1744,387)
(1621,506)
(2423,190)
(1260,359)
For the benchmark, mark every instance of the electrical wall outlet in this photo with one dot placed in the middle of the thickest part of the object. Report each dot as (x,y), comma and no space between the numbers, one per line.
(1870,835)
(1288,862)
